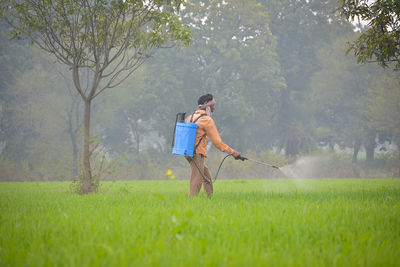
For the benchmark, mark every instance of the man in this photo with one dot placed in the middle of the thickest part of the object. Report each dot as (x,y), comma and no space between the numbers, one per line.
(199,173)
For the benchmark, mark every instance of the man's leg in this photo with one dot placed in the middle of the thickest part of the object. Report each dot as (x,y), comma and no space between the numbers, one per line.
(208,187)
(195,177)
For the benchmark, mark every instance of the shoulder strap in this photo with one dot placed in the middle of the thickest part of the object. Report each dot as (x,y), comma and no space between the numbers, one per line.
(202,115)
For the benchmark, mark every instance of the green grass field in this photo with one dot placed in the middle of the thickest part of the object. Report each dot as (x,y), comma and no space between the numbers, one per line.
(327,222)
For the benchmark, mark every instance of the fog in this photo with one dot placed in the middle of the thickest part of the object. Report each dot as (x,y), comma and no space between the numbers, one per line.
(286,93)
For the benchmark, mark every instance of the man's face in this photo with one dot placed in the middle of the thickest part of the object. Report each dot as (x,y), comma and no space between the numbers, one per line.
(212,107)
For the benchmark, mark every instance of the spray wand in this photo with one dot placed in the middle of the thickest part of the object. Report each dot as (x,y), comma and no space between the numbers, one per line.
(262,163)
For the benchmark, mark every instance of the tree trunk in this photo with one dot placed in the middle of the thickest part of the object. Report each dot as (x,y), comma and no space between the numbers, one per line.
(398,148)
(87,172)
(137,139)
(72,135)
(75,158)
(370,153)
(370,147)
(137,147)
(357,146)
(331,145)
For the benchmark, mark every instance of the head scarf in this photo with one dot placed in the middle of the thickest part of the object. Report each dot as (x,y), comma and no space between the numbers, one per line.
(207,106)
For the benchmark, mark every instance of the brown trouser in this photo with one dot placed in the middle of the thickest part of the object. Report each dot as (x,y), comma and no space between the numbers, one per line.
(196,179)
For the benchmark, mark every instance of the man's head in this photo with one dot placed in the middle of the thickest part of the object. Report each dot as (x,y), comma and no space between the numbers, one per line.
(204,99)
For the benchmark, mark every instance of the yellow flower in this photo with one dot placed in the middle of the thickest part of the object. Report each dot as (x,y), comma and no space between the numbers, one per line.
(172,177)
(168,172)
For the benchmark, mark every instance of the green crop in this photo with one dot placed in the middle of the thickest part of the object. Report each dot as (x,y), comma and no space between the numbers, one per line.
(325,222)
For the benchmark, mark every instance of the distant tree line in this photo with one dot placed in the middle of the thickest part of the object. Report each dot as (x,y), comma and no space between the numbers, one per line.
(278,70)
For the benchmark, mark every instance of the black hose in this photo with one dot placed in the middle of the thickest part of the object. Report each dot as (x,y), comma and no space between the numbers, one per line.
(216,175)
(220,165)
(202,175)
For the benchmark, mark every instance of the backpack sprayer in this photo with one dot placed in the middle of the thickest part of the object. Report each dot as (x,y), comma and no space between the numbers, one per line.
(185,135)
(184,139)
(183,142)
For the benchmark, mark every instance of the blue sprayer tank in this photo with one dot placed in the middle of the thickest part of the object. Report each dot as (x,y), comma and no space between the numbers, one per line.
(184,136)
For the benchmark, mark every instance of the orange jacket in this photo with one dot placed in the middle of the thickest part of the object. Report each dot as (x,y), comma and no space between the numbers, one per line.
(207,127)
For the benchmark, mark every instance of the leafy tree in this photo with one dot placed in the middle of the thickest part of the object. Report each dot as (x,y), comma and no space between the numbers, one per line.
(240,64)
(380,42)
(102,42)
(18,60)
(233,57)
(35,141)
(383,107)
(15,60)
(301,28)
(339,95)
(126,125)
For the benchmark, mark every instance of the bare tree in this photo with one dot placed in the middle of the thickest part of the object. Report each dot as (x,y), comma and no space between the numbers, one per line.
(104,39)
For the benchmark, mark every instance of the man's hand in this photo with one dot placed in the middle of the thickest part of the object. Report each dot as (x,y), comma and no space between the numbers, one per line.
(237,156)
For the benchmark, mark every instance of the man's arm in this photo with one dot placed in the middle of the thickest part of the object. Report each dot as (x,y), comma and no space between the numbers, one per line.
(212,133)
